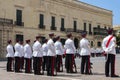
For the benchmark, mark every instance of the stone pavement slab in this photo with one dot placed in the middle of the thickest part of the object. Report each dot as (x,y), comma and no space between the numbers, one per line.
(98,72)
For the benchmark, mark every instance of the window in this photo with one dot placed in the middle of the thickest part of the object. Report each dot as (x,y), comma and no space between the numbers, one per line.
(19,18)
(19,37)
(63,41)
(75,25)
(41,20)
(53,21)
(99,44)
(89,28)
(92,43)
(84,26)
(98,26)
(62,22)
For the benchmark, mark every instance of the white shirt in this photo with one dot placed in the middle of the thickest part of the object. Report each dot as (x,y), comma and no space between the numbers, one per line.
(111,47)
(59,48)
(70,47)
(85,47)
(93,50)
(17,50)
(10,51)
(51,48)
(27,51)
(37,49)
(45,49)
(22,50)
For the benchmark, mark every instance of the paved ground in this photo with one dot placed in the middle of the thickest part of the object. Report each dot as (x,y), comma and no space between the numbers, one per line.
(98,72)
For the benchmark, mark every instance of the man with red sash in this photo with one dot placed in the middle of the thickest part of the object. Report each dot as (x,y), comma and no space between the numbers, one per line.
(108,45)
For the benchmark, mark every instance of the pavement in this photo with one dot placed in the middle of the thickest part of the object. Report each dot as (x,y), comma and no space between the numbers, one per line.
(98,72)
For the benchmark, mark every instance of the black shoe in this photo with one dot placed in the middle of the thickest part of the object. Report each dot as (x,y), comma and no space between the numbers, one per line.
(10,71)
(107,75)
(114,75)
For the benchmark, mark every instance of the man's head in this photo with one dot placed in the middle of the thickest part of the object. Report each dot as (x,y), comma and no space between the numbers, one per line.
(110,31)
(84,34)
(69,35)
(51,35)
(28,41)
(9,41)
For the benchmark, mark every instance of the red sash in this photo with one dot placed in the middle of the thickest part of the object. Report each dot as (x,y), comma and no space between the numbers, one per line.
(109,41)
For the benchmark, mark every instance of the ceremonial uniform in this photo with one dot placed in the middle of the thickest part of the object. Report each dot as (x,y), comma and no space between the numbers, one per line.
(70,51)
(93,52)
(51,58)
(111,52)
(85,54)
(22,56)
(38,55)
(45,58)
(28,58)
(17,56)
(59,53)
(10,56)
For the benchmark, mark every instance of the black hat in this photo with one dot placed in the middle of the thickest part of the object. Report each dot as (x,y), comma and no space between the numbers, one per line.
(58,37)
(45,40)
(37,37)
(69,35)
(51,34)
(84,33)
(9,41)
(110,30)
(27,41)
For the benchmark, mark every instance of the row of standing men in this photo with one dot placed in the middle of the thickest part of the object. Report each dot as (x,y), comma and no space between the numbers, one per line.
(45,57)
(50,54)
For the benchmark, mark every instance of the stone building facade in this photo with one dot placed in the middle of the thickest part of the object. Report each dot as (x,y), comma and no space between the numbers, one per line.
(24,19)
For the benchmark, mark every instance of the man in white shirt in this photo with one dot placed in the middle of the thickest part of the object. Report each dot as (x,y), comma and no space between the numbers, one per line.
(17,56)
(108,45)
(28,56)
(22,55)
(10,56)
(38,55)
(51,56)
(59,53)
(70,51)
(45,58)
(85,54)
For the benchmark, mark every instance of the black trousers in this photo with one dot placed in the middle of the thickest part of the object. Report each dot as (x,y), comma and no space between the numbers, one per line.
(110,63)
(44,65)
(51,67)
(22,63)
(37,65)
(28,62)
(9,63)
(69,63)
(17,64)
(85,65)
(59,62)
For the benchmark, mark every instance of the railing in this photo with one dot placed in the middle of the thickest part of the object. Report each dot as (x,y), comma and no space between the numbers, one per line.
(62,29)
(41,26)
(53,28)
(6,21)
(19,23)
(99,31)
(69,30)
